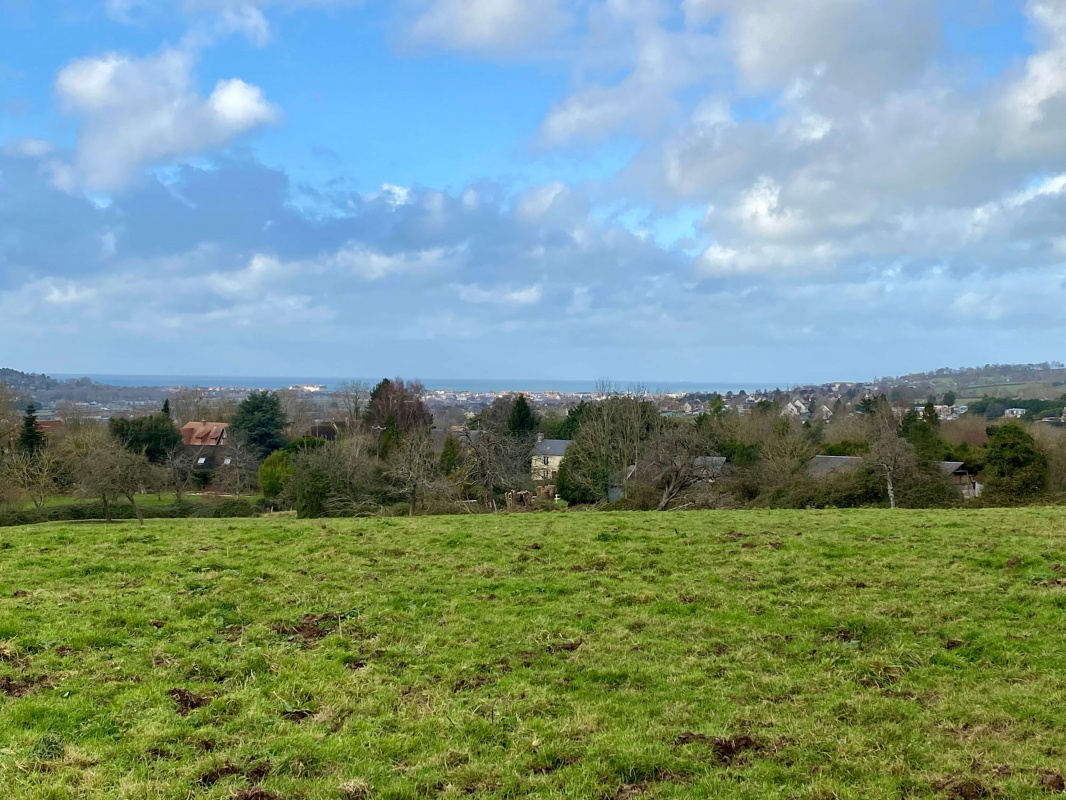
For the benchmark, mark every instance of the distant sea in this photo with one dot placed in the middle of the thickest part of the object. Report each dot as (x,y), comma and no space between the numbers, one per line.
(453,384)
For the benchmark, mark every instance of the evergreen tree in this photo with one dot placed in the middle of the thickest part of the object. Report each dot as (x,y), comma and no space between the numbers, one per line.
(31,438)
(154,435)
(261,420)
(450,455)
(1017,467)
(522,420)
(388,438)
(166,407)
(950,398)
(929,415)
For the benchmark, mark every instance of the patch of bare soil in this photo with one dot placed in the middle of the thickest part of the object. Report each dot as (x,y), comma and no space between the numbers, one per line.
(729,750)
(187,701)
(20,687)
(631,790)
(309,629)
(1053,782)
(255,773)
(774,545)
(557,762)
(1013,561)
(960,788)
(726,749)
(20,593)
(215,774)
(472,683)
(565,647)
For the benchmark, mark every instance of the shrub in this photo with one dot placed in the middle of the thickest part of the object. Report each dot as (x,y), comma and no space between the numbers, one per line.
(275,472)
(81,512)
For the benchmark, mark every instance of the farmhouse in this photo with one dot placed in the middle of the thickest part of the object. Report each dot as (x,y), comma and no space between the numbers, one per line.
(547,457)
(206,443)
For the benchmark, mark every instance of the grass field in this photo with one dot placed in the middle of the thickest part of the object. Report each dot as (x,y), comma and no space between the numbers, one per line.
(857,654)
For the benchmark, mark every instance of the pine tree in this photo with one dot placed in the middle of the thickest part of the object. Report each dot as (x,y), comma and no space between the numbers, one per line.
(31,438)
(522,419)
(166,407)
(450,455)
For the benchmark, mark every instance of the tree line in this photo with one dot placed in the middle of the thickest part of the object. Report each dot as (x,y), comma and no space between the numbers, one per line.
(383,457)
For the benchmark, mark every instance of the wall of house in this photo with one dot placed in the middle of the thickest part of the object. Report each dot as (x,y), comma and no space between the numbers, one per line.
(546,472)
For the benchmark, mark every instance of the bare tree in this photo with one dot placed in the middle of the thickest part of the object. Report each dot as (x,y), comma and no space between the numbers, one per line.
(895,458)
(9,413)
(237,473)
(609,444)
(677,457)
(784,453)
(299,413)
(177,471)
(498,460)
(192,405)
(414,467)
(351,398)
(111,472)
(36,475)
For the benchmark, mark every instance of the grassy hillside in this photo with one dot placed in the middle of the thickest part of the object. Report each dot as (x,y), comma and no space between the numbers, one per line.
(753,655)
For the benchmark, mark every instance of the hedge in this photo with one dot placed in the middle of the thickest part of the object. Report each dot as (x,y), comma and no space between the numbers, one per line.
(95,511)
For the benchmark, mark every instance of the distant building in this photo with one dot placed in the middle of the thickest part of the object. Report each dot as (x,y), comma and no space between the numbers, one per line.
(547,457)
(1014,413)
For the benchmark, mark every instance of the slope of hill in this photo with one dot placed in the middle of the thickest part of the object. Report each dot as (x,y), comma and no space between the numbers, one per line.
(702,655)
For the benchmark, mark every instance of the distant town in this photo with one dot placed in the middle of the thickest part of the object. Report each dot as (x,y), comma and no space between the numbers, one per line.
(1014,391)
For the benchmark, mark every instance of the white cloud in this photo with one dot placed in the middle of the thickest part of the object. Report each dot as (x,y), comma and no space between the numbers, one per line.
(505,295)
(141,112)
(492,27)
(373,265)
(29,148)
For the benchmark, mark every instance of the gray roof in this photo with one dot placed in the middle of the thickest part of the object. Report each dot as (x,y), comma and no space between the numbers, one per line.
(551,447)
(951,467)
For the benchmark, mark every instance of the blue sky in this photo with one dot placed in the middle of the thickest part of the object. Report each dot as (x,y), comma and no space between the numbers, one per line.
(703,190)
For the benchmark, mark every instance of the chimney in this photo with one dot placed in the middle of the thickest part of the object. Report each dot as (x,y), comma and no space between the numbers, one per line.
(540,438)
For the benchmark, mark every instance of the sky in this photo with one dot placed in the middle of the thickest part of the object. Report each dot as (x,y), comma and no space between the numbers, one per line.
(646,190)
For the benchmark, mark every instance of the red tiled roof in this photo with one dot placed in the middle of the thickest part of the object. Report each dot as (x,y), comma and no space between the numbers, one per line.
(204,434)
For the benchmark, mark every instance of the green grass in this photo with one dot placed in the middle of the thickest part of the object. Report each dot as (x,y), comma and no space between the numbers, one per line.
(857,654)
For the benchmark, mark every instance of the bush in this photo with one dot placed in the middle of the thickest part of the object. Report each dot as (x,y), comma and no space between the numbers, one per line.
(81,512)
(275,473)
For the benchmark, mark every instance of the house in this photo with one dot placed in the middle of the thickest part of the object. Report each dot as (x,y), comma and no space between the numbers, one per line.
(966,483)
(1014,413)
(205,443)
(798,409)
(547,457)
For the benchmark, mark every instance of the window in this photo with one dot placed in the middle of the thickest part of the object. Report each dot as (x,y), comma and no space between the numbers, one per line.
(545,460)
(201,461)
(227,462)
